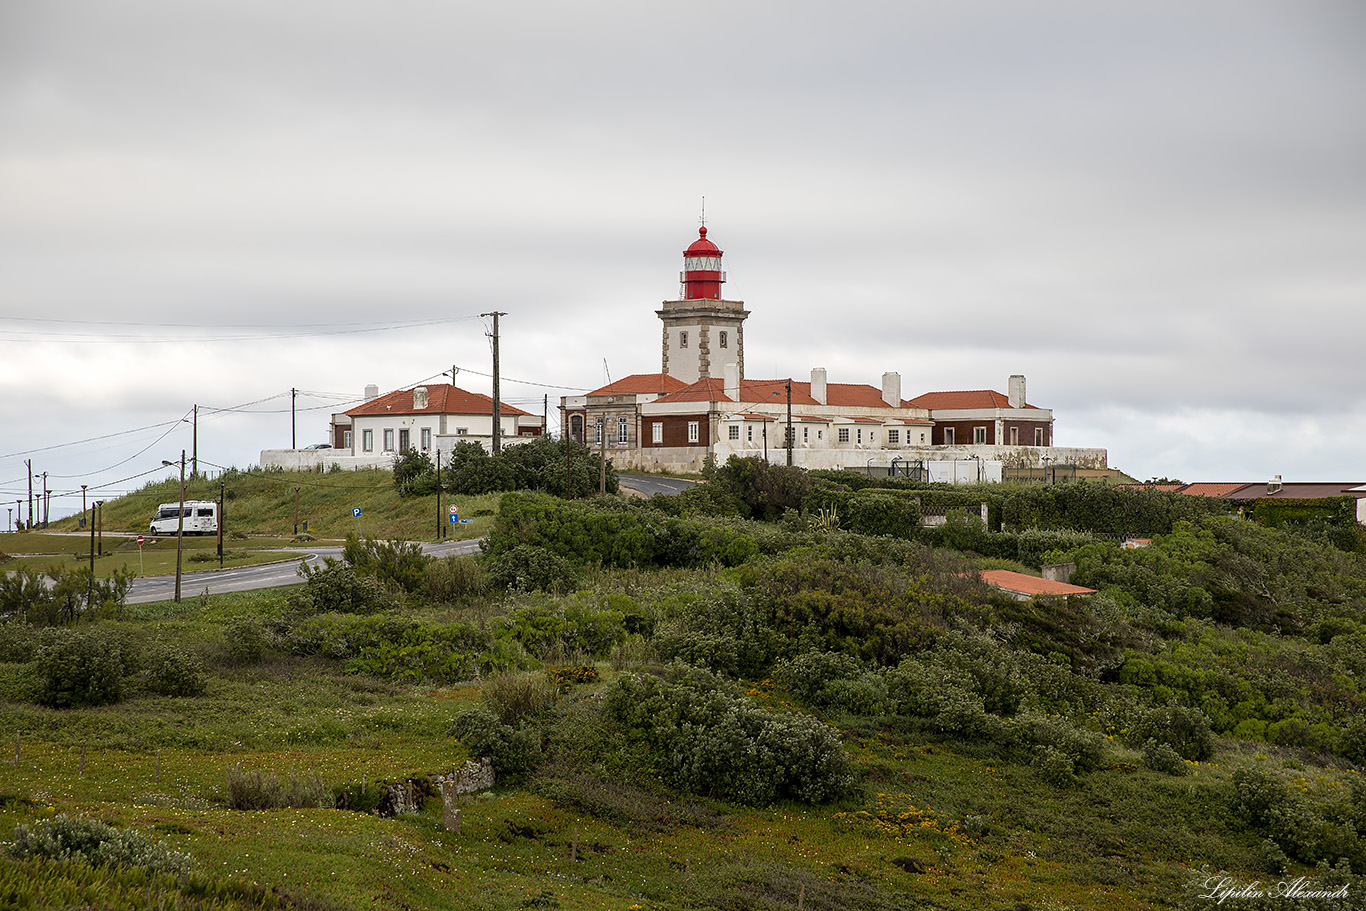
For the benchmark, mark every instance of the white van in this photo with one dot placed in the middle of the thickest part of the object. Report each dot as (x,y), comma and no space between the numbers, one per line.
(201,518)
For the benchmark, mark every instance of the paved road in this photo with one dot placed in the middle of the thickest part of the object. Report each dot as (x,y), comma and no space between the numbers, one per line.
(649,485)
(266,575)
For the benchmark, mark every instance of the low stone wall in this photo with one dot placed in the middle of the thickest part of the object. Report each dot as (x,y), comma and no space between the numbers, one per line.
(322,460)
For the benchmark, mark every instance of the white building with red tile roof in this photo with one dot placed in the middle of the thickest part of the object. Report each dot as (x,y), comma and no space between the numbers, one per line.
(701,405)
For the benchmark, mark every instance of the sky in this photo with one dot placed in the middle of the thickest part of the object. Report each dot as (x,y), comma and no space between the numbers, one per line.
(1154,211)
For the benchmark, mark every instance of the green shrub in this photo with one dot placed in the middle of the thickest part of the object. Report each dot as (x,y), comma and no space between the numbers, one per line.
(257,790)
(246,640)
(397,564)
(172,671)
(1186,730)
(414,473)
(706,738)
(513,697)
(528,568)
(454,579)
(75,839)
(1160,757)
(337,587)
(78,668)
(514,752)
(18,642)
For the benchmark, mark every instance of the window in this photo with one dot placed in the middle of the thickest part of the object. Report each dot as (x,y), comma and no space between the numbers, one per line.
(426,438)
(367,440)
(597,430)
(733,431)
(1038,436)
(657,432)
(347,440)
(623,426)
(1014,436)
(893,437)
(723,339)
(693,431)
(462,431)
(820,434)
(922,436)
(806,434)
(388,440)
(979,435)
(749,434)
(404,440)
(844,435)
(683,339)
(860,436)
(948,436)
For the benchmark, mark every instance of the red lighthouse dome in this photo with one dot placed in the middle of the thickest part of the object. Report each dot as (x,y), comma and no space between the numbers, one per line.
(702,276)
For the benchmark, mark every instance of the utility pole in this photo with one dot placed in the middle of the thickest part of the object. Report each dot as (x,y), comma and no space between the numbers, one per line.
(497,408)
(29,463)
(221,498)
(194,442)
(99,525)
(790,437)
(82,504)
(180,524)
(47,499)
(602,455)
(440,529)
(293,438)
(296,512)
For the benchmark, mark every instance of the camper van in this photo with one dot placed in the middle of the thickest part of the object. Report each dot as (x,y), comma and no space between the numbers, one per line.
(201,518)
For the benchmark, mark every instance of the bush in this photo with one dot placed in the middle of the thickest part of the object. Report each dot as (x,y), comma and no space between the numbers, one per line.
(75,839)
(256,790)
(513,697)
(339,588)
(454,579)
(78,668)
(706,738)
(172,671)
(246,641)
(398,564)
(1160,757)
(414,474)
(528,568)
(1186,730)
(514,752)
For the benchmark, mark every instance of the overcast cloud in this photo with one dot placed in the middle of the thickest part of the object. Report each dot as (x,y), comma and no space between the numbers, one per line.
(1155,211)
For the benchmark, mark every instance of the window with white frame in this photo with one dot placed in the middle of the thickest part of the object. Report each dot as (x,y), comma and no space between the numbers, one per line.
(462,431)
(388,440)
(404,440)
(346,439)
(979,435)
(749,434)
(623,430)
(893,437)
(367,440)
(683,339)
(733,432)
(806,434)
(948,436)
(1014,436)
(426,439)
(657,432)
(860,436)
(1038,436)
(723,338)
(694,432)
(597,430)
(843,435)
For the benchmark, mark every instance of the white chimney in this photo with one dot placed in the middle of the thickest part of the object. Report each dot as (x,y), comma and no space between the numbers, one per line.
(1015,392)
(732,381)
(371,391)
(419,398)
(891,389)
(818,384)
(1274,485)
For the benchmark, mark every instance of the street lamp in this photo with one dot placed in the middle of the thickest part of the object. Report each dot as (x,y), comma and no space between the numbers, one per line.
(180,522)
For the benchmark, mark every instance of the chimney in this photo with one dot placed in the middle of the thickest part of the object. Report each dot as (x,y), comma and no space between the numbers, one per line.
(371,391)
(732,381)
(1274,485)
(1015,391)
(818,384)
(891,389)
(419,398)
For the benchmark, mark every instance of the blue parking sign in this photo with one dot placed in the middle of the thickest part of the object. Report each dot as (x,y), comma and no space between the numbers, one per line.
(356,512)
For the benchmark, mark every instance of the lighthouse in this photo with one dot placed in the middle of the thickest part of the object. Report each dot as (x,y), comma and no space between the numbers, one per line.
(703,334)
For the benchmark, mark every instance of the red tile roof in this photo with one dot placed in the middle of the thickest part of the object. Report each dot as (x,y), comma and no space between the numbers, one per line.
(1211,489)
(837,395)
(1030,585)
(442,398)
(974,398)
(642,383)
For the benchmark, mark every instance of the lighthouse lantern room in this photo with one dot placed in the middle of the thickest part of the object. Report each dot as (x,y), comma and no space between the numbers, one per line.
(703,334)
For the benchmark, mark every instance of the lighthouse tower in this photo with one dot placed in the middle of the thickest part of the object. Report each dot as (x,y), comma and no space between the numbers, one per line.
(703,334)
